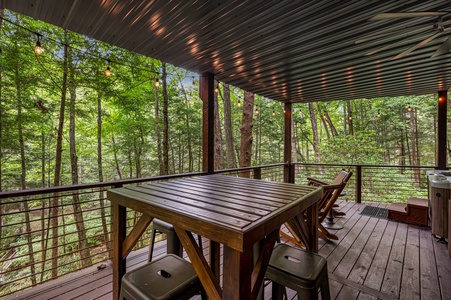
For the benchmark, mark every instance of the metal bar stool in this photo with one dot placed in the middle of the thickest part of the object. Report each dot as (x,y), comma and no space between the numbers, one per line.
(169,277)
(173,244)
(300,270)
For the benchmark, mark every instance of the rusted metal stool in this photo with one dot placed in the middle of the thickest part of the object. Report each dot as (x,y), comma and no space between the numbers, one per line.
(169,277)
(173,244)
(300,270)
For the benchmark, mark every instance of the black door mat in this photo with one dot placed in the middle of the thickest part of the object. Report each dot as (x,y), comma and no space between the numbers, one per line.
(373,211)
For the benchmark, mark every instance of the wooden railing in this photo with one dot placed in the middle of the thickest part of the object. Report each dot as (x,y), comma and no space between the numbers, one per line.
(79,216)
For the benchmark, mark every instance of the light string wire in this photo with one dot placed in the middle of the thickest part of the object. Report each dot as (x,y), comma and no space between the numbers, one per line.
(108,60)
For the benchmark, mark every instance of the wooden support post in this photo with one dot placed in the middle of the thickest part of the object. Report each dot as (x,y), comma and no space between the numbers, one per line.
(288,174)
(441,130)
(206,94)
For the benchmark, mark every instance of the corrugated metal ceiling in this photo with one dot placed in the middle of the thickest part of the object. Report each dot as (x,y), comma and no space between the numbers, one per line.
(297,51)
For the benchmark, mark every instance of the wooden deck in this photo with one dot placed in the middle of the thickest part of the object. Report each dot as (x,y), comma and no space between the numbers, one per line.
(374,258)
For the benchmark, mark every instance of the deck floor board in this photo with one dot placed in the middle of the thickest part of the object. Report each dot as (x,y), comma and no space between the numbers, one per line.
(373,259)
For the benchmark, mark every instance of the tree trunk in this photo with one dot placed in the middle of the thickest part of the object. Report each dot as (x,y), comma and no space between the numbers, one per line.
(158,130)
(106,239)
(57,175)
(315,132)
(116,161)
(245,156)
(219,156)
(230,153)
(323,119)
(293,144)
(188,129)
(85,256)
(331,125)
(416,171)
(351,127)
(1,141)
(24,202)
(165,170)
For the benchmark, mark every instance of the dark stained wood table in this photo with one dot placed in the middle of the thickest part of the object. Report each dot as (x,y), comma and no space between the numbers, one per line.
(232,211)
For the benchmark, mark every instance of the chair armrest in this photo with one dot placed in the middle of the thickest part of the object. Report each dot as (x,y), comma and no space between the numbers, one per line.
(332,187)
(313,181)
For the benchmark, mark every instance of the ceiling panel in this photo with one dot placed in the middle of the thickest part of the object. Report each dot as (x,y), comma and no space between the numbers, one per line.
(297,51)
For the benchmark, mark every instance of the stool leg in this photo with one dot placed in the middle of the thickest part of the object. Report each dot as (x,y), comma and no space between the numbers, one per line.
(173,244)
(325,291)
(277,291)
(308,294)
(152,242)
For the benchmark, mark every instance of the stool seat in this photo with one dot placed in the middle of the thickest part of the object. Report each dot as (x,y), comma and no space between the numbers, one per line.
(300,270)
(169,277)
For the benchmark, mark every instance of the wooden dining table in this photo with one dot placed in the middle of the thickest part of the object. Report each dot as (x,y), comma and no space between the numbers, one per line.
(236,212)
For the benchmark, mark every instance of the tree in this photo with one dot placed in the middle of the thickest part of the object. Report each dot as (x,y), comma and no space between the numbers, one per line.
(165,121)
(245,157)
(230,154)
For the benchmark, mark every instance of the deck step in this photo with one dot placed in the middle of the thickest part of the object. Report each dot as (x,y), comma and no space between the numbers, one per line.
(414,212)
(398,207)
(420,202)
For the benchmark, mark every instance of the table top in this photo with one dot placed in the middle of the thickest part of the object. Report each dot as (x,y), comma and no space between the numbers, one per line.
(233,211)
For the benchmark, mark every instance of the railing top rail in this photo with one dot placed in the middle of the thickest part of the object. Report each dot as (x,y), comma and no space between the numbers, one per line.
(118,183)
(56,189)
(365,165)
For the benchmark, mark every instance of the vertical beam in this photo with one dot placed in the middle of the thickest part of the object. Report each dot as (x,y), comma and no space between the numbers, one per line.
(206,94)
(441,130)
(288,175)
(358,184)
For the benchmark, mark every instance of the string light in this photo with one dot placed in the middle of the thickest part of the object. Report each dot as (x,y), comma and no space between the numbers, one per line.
(157,82)
(238,103)
(256,111)
(273,112)
(108,70)
(350,118)
(324,116)
(216,89)
(379,114)
(409,109)
(38,49)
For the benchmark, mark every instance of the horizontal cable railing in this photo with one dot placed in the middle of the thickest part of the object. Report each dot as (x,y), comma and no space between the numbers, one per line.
(79,218)
(371,183)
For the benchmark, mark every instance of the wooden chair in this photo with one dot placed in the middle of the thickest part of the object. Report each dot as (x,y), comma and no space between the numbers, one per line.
(325,204)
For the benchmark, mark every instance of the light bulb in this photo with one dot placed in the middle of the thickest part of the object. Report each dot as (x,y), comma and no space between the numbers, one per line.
(379,114)
(108,71)
(409,109)
(239,103)
(256,111)
(157,82)
(350,118)
(273,113)
(38,49)
(216,89)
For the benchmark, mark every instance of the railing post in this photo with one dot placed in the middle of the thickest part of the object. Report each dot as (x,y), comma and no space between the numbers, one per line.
(358,184)
(257,173)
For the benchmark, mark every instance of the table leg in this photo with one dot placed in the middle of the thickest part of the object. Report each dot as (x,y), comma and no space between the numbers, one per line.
(237,273)
(312,225)
(203,270)
(118,232)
